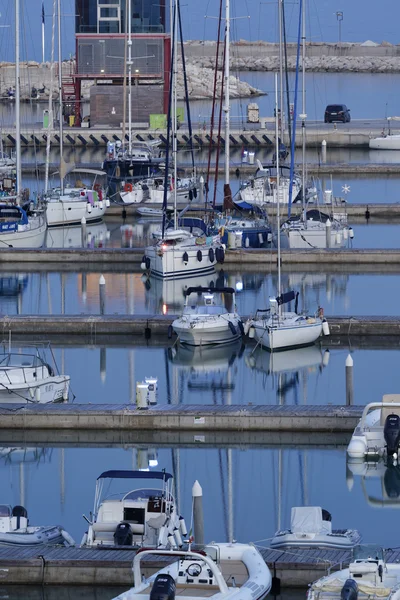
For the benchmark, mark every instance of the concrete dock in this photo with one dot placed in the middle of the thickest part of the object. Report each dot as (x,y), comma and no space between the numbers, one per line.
(105,567)
(198,419)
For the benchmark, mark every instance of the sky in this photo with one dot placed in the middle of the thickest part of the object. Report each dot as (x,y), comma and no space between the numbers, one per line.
(362,20)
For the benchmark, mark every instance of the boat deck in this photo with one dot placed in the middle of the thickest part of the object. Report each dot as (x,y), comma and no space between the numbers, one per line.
(54,565)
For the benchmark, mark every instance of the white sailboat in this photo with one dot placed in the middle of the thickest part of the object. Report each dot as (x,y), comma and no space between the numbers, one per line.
(312,228)
(279,329)
(178,252)
(221,572)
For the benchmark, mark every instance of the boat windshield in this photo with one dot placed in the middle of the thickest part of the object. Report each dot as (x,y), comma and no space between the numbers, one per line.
(19,360)
(365,551)
(144,494)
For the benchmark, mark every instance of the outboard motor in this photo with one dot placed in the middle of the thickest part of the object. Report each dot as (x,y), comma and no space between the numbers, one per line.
(19,512)
(391,433)
(164,587)
(349,590)
(123,535)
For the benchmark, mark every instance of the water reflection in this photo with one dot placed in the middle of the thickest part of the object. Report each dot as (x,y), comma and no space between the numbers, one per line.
(379,481)
(95,236)
(12,287)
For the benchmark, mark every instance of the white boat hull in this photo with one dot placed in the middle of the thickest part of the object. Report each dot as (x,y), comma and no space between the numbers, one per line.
(312,238)
(32,237)
(336,539)
(32,536)
(52,389)
(207,331)
(277,338)
(389,142)
(171,264)
(69,212)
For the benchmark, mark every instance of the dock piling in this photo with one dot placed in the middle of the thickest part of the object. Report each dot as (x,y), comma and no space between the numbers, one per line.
(102,294)
(198,517)
(349,381)
(83,232)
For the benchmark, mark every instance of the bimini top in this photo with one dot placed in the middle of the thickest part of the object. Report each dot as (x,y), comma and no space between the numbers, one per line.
(209,290)
(135,475)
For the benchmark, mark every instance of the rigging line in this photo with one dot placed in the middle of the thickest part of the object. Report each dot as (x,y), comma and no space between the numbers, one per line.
(167,150)
(295,109)
(213,101)
(191,149)
(219,136)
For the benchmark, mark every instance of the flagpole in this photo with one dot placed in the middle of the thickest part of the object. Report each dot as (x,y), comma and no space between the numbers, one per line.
(43,31)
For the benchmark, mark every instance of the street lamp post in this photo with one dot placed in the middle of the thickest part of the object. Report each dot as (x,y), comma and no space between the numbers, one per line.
(339,17)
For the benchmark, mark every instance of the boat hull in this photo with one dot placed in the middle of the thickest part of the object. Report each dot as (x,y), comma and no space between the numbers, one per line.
(312,238)
(287,337)
(339,540)
(52,389)
(32,536)
(170,264)
(67,212)
(206,333)
(30,238)
(389,142)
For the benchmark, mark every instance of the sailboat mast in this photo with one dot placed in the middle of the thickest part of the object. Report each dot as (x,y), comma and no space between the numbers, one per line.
(174,109)
(280,12)
(303,116)
(278,186)
(60,116)
(226,89)
(130,77)
(17,102)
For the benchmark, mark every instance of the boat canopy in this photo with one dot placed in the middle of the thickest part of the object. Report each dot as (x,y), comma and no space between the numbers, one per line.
(209,290)
(135,475)
(308,519)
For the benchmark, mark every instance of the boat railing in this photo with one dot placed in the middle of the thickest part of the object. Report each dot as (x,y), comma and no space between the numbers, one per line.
(372,406)
(179,554)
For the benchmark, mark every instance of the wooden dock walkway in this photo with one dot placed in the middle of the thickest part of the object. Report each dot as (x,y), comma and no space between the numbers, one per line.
(203,420)
(53,565)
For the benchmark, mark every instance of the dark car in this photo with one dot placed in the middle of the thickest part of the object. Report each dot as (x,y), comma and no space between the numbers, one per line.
(337,112)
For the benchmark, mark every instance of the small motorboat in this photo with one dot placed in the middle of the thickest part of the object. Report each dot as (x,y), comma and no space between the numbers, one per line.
(377,434)
(28,378)
(16,531)
(205,321)
(368,576)
(311,526)
(147,211)
(220,571)
(142,517)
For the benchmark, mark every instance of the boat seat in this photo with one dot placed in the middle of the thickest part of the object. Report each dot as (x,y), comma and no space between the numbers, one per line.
(385,412)
(105,527)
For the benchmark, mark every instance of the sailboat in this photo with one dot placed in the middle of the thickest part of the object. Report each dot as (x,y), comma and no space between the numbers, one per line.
(312,228)
(179,252)
(279,329)
(18,229)
(67,205)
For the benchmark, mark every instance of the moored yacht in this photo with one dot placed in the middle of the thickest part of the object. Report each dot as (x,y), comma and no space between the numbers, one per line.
(221,572)
(141,517)
(315,229)
(206,321)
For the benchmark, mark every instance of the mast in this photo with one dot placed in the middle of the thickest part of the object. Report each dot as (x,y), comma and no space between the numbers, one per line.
(277,188)
(60,116)
(174,109)
(303,116)
(280,67)
(17,103)
(226,85)
(130,77)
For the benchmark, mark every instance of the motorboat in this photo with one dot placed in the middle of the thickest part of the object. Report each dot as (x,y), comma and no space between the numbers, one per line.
(220,571)
(368,576)
(16,531)
(315,229)
(26,378)
(280,330)
(67,205)
(206,321)
(377,434)
(18,230)
(148,211)
(141,517)
(311,527)
(179,253)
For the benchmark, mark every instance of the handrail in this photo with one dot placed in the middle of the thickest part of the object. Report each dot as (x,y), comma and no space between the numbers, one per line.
(373,405)
(137,578)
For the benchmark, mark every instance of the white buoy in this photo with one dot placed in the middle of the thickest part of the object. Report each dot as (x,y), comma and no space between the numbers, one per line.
(269,238)
(328,226)
(102,294)
(247,242)
(323,151)
(201,189)
(107,202)
(143,266)
(349,479)
(101,205)
(260,238)
(328,196)
(182,525)
(325,358)
(89,207)
(252,332)
(65,393)
(349,380)
(198,519)
(171,540)
(251,158)
(338,238)
(351,233)
(142,395)
(325,327)
(345,233)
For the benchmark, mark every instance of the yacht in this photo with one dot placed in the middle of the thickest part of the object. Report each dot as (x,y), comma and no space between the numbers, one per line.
(261,189)
(142,517)
(368,576)
(206,321)
(221,572)
(315,229)
(16,531)
(28,378)
(311,527)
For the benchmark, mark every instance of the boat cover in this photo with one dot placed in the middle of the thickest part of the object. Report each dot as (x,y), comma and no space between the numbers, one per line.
(308,519)
(135,475)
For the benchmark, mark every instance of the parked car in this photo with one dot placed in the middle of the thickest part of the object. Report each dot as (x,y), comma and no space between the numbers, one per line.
(337,112)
